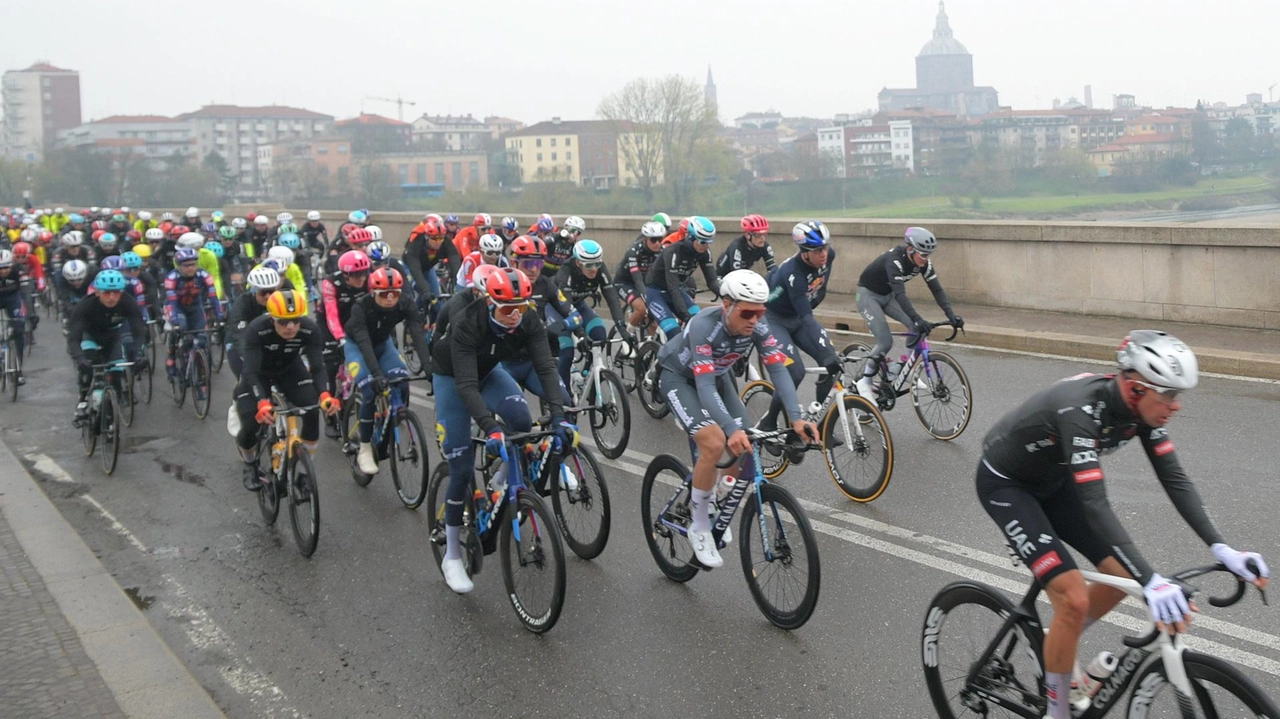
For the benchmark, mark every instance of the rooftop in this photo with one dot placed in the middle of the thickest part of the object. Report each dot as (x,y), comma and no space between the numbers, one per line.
(369,119)
(123,119)
(45,67)
(943,42)
(272,111)
(564,127)
(1110,148)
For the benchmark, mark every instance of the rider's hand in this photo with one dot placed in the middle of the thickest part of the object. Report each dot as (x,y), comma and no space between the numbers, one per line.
(140,364)
(1237,562)
(738,443)
(808,431)
(920,326)
(567,435)
(834,368)
(496,445)
(1168,605)
(956,321)
(573,321)
(84,366)
(380,384)
(342,343)
(329,404)
(168,326)
(265,415)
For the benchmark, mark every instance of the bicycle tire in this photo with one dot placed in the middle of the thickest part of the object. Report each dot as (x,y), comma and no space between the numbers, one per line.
(411,469)
(591,498)
(178,385)
(17,364)
(867,422)
(151,348)
(349,429)
(615,409)
(942,393)
(304,492)
(538,546)
(109,426)
(217,350)
(621,358)
(89,430)
(948,682)
(269,492)
(1202,670)
(671,550)
(411,360)
(127,399)
(201,379)
(756,397)
(472,554)
(145,385)
(650,396)
(773,498)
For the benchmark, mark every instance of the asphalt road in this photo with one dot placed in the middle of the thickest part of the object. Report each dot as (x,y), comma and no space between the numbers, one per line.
(367,627)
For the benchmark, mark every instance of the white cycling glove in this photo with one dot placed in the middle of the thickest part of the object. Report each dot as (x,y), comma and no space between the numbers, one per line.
(1236,561)
(1165,601)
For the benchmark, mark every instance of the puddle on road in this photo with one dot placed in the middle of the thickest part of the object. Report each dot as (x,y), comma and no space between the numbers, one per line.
(181,473)
(147,443)
(140,600)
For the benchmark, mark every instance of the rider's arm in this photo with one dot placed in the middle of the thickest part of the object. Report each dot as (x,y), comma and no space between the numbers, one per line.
(610,296)
(671,257)
(636,274)
(357,329)
(935,286)
(898,276)
(1182,492)
(329,296)
(171,297)
(770,261)
(137,327)
(414,325)
(75,331)
(412,259)
(796,286)
(709,272)
(211,292)
(313,350)
(775,362)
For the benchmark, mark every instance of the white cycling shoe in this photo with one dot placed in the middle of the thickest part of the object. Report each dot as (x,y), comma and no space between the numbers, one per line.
(704,548)
(455,575)
(365,459)
(568,479)
(865,389)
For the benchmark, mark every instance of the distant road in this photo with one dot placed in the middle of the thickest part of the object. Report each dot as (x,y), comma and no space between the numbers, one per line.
(1249,211)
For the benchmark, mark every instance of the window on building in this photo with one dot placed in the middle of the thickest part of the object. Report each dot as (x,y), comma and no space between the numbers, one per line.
(568,142)
(457,174)
(322,149)
(474,172)
(539,157)
(439,173)
(568,156)
(553,142)
(539,142)
(45,81)
(422,173)
(404,174)
(342,149)
(553,157)
(343,174)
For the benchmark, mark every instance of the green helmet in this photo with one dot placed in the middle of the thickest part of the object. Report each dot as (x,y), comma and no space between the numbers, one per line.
(663,219)
(288,228)
(227,232)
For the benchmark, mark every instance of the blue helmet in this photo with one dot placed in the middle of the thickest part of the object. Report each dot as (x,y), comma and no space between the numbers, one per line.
(545,224)
(185,254)
(217,215)
(111,262)
(451,219)
(109,281)
(811,235)
(209,228)
(76,218)
(215,247)
(588,251)
(379,251)
(701,230)
(132,260)
(272,264)
(107,239)
(290,240)
(509,223)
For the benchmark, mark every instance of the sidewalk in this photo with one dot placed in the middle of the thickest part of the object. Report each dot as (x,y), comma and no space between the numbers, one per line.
(1224,350)
(71,643)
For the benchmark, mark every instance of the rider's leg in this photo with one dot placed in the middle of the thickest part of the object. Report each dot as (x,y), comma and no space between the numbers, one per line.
(660,310)
(564,347)
(795,368)
(301,391)
(363,378)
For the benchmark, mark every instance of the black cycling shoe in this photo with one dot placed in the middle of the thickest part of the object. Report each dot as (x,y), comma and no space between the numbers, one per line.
(252,481)
(331,430)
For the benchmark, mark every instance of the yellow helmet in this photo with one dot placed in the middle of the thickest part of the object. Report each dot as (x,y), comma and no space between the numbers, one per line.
(142,249)
(287,305)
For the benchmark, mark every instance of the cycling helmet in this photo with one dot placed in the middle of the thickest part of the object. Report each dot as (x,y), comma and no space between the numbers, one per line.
(209,228)
(353,261)
(29,235)
(755,224)
(375,232)
(97,234)
(575,224)
(479,278)
(217,215)
(545,224)
(272,265)
(45,237)
(921,240)
(379,251)
(451,219)
(288,228)
(744,286)
(510,224)
(109,281)
(365,210)
(261,220)
(58,210)
(547,216)
(239,223)
(73,239)
(132,260)
(142,250)
(811,235)
(289,240)
(483,220)
(263,278)
(155,234)
(215,247)
(75,270)
(282,255)
(185,254)
(167,217)
(124,210)
(508,286)
(359,236)
(287,305)
(6,259)
(491,244)
(433,216)
(133,236)
(98,225)
(227,232)
(653,230)
(193,212)
(385,278)
(529,248)
(178,231)
(251,216)
(701,230)
(93,210)
(1160,358)
(21,250)
(663,219)
(313,216)
(144,215)
(119,217)
(588,251)
(347,228)
(111,262)
(107,240)
(433,228)
(76,218)
(193,240)
(357,217)
(284,218)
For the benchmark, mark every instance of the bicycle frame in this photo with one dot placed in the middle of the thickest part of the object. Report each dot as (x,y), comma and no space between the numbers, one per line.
(837,394)
(731,502)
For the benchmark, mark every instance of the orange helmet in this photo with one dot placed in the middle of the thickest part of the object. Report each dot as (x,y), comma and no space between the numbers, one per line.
(385,278)
(508,286)
(433,228)
(287,304)
(21,250)
(531,248)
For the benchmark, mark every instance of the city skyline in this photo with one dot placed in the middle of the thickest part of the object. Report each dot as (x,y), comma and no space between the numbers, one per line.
(1176,56)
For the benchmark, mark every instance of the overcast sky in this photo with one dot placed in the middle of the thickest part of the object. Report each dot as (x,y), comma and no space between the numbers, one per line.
(534,59)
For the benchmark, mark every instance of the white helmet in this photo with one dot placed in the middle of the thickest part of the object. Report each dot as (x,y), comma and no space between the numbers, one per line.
(167,217)
(263,278)
(653,230)
(75,270)
(282,255)
(376,232)
(124,210)
(144,215)
(490,244)
(284,218)
(744,286)
(193,212)
(94,209)
(433,216)
(261,220)
(155,234)
(313,216)
(74,238)
(29,235)
(6,258)
(575,223)
(194,240)
(239,223)
(1160,358)
(59,210)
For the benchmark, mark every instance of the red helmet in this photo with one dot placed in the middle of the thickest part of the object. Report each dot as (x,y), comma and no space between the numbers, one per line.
(433,228)
(97,234)
(385,278)
(178,231)
(359,236)
(755,224)
(21,250)
(99,225)
(483,220)
(508,286)
(684,227)
(526,247)
(133,235)
(353,261)
(347,228)
(249,217)
(46,237)
(86,212)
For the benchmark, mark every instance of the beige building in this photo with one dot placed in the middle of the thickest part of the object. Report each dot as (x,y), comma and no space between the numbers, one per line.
(38,102)
(584,152)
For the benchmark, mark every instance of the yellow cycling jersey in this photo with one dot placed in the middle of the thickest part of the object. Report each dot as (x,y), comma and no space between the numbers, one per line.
(209,263)
(293,274)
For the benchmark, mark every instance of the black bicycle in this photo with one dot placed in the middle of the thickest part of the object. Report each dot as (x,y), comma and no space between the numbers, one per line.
(191,371)
(104,420)
(397,436)
(286,470)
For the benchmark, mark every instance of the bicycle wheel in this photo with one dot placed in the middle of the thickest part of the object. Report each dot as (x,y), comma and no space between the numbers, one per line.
(859,453)
(756,397)
(269,493)
(109,427)
(16,359)
(217,350)
(304,501)
(621,358)
(143,387)
(349,426)
(436,489)
(407,450)
(584,513)
(127,398)
(178,384)
(941,396)
(610,415)
(154,334)
(201,383)
(783,572)
(411,359)
(1219,689)
(533,563)
(89,431)
(647,390)
(667,479)
(961,623)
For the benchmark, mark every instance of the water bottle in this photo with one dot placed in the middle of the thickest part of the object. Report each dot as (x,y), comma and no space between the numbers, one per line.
(896,367)
(723,486)
(1091,680)
(814,408)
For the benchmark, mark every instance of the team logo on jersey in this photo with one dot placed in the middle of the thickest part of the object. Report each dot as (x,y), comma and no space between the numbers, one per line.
(704,350)
(353,369)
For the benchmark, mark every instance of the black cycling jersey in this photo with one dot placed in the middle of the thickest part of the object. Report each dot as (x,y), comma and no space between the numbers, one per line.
(337,294)
(61,256)
(370,325)
(559,251)
(420,259)
(1059,434)
(453,306)
(796,288)
(267,355)
(244,310)
(577,285)
(675,265)
(11,283)
(316,238)
(95,321)
(888,273)
(260,239)
(547,292)
(635,265)
(740,255)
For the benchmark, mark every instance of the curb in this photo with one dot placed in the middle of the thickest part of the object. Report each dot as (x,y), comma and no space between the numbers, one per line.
(144,675)
(1220,361)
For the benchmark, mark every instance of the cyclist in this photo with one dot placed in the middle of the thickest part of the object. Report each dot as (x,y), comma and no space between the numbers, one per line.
(635,264)
(263,281)
(283,254)
(135,262)
(490,253)
(581,279)
(546,295)
(1041,481)
(257,237)
(380,256)
(232,274)
(663,219)
(450,226)
(144,222)
(426,248)
(119,224)
(99,319)
(749,248)
(471,385)
(74,287)
(12,303)
(356,238)
(132,286)
(372,354)
(192,218)
(31,272)
(338,294)
(510,229)
(669,303)
(75,223)
(882,291)
(108,244)
(275,346)
(186,290)
(694,377)
(560,244)
(468,238)
(314,234)
(210,256)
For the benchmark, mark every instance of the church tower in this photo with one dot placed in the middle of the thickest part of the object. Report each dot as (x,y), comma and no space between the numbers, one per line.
(709,92)
(943,65)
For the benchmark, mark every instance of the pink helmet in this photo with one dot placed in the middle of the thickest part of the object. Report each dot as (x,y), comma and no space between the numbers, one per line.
(353,261)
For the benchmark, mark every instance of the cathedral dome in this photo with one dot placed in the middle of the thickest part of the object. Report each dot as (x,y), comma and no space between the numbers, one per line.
(943,42)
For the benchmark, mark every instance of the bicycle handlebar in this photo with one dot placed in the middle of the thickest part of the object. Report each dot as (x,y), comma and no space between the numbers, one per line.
(760,436)
(1181,578)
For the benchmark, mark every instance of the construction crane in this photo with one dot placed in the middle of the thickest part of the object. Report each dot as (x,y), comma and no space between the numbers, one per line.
(400,103)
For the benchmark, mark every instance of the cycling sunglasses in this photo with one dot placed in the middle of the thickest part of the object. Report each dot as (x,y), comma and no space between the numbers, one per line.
(492,254)
(529,264)
(591,265)
(751,314)
(288,323)
(1168,393)
(515,308)
(394,294)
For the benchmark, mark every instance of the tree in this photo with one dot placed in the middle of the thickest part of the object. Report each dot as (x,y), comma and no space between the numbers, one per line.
(215,162)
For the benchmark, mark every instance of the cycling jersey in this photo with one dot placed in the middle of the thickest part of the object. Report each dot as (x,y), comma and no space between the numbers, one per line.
(546,293)
(256,242)
(740,255)
(635,264)
(182,294)
(420,258)
(209,263)
(453,306)
(559,251)
(675,265)
(63,255)
(797,288)
(370,325)
(467,240)
(469,265)
(95,321)
(266,354)
(888,274)
(337,297)
(577,286)
(1057,437)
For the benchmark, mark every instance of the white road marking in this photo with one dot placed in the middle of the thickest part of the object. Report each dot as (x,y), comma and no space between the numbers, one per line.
(47,466)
